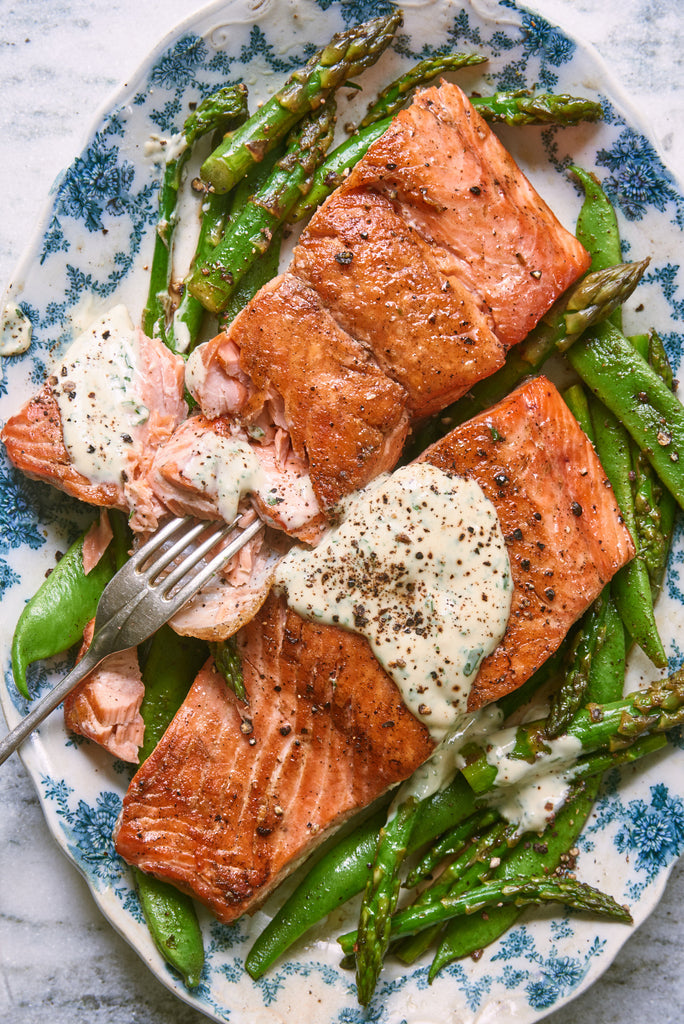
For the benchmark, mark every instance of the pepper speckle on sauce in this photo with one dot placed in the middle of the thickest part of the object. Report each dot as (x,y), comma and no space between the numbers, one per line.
(418,565)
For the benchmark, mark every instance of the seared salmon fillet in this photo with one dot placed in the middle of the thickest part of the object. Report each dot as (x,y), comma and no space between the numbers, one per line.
(380,281)
(344,416)
(226,814)
(452,180)
(561,522)
(236,796)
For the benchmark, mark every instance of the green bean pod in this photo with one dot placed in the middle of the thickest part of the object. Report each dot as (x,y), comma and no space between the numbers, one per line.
(171,665)
(55,617)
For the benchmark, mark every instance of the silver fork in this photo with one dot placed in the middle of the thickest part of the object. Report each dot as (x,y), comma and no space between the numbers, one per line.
(140,598)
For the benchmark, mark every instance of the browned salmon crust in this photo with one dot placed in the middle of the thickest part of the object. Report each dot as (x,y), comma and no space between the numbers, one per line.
(344,415)
(379,280)
(226,814)
(452,180)
(563,528)
(232,799)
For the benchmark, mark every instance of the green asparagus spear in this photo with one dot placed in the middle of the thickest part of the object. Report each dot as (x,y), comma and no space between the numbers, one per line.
(347,54)
(518,891)
(393,97)
(250,234)
(615,725)
(588,302)
(568,698)
(463,873)
(221,111)
(380,898)
(450,844)
(184,329)
(522,107)
(229,664)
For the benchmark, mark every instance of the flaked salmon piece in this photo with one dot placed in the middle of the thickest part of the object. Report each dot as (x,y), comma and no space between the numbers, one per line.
(344,417)
(215,378)
(227,814)
(232,811)
(562,525)
(96,541)
(235,595)
(380,281)
(35,437)
(208,466)
(452,180)
(105,706)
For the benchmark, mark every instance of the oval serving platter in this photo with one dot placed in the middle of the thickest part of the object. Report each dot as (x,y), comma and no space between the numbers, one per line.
(90,253)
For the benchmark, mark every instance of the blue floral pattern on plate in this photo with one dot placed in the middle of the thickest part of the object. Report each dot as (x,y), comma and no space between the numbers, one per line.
(96,238)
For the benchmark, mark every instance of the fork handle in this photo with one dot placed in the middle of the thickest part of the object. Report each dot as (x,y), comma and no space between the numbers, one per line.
(49,702)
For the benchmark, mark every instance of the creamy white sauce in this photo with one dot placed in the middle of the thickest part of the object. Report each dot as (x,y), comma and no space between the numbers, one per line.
(98,387)
(446,759)
(165,150)
(227,469)
(15,331)
(530,793)
(181,335)
(418,565)
(195,370)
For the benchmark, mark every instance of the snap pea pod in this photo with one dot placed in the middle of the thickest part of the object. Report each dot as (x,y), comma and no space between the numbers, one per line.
(597,228)
(659,362)
(588,302)
(575,398)
(171,665)
(626,384)
(55,617)
(607,670)
(342,871)
(631,587)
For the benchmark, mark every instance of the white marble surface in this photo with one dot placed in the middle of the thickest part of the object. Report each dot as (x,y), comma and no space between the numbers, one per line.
(59,61)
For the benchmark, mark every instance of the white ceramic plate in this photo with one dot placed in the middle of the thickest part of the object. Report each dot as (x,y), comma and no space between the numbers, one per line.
(95,239)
